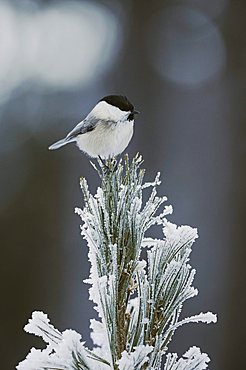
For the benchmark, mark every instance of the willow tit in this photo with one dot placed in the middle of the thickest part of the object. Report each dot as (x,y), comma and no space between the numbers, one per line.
(106,131)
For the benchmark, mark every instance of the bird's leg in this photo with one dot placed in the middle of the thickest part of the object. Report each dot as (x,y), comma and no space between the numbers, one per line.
(111,166)
(114,163)
(105,166)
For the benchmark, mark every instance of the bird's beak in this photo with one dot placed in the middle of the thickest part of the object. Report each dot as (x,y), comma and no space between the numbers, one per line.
(136,112)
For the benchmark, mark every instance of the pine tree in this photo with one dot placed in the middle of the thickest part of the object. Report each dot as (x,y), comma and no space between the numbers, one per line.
(138,300)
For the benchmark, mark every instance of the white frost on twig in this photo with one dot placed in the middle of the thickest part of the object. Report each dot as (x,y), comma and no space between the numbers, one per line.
(193,359)
(138,301)
(136,359)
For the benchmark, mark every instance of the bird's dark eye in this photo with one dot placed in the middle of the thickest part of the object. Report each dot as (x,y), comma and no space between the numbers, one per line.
(131,117)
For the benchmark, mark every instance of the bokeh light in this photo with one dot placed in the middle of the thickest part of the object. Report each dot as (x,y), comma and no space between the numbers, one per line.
(76,43)
(189,48)
(213,8)
(10,71)
(62,45)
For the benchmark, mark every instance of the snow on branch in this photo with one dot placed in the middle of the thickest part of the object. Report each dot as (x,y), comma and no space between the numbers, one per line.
(192,359)
(138,301)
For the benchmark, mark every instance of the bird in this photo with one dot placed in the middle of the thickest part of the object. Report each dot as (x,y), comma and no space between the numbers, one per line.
(106,131)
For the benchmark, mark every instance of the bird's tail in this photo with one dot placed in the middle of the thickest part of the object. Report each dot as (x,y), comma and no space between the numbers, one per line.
(60,143)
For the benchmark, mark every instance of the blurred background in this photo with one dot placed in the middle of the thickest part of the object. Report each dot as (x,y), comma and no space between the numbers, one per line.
(183,65)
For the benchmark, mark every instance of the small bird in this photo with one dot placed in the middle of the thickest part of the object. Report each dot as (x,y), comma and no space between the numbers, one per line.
(107,129)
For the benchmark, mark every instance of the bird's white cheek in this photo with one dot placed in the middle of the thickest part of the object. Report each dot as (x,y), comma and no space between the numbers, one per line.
(107,112)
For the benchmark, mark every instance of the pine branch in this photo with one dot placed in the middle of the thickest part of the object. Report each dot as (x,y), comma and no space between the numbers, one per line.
(138,302)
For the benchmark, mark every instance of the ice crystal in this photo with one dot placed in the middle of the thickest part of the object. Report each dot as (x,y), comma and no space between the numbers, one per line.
(138,301)
(135,359)
(192,359)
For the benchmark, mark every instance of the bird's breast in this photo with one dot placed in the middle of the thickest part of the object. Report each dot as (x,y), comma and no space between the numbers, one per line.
(107,139)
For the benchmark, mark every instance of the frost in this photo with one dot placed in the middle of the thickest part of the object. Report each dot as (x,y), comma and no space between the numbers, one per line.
(65,351)
(193,359)
(145,320)
(37,360)
(40,326)
(135,359)
(155,183)
(138,284)
(180,234)
(206,318)
(141,265)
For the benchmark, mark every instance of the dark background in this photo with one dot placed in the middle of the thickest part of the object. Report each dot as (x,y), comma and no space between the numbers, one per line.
(183,65)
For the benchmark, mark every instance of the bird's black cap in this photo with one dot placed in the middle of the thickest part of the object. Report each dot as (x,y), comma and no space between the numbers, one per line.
(119,101)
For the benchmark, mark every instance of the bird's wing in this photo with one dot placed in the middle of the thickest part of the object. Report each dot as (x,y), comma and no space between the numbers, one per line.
(82,127)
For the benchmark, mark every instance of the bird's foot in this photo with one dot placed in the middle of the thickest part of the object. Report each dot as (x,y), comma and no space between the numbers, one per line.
(109,166)
(105,167)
